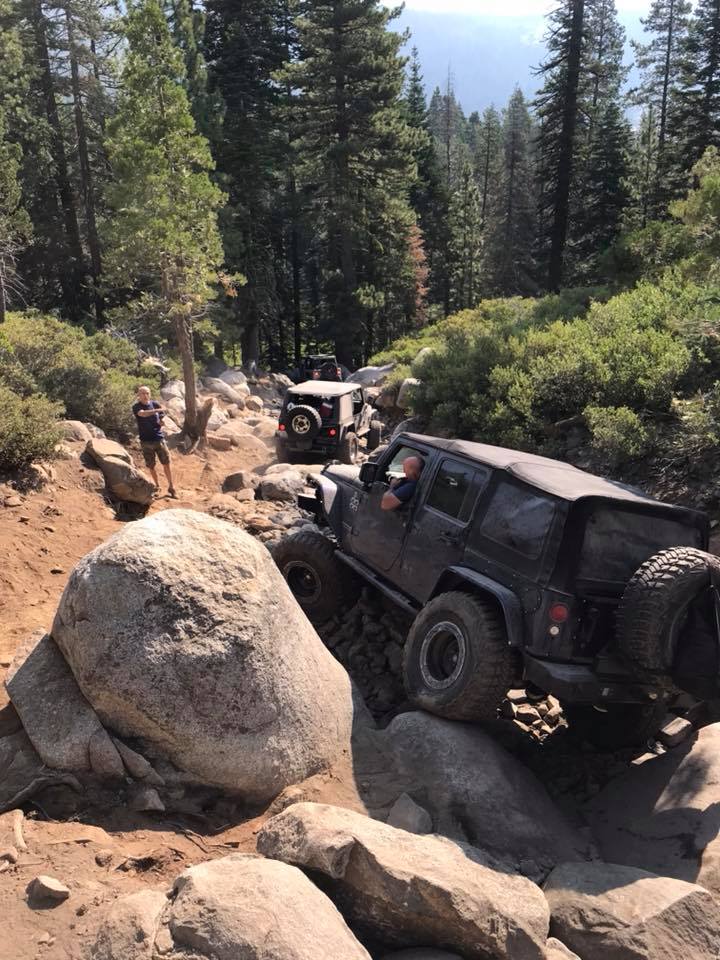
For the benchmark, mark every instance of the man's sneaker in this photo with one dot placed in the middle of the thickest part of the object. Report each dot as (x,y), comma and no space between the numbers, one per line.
(172,494)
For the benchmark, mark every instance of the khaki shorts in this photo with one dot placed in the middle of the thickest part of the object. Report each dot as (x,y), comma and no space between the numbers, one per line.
(152,449)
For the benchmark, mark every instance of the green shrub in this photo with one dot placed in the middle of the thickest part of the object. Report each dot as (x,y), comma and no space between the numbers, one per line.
(93,377)
(28,429)
(617,433)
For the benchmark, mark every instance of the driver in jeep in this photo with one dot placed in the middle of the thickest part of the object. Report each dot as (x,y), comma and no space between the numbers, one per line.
(402,490)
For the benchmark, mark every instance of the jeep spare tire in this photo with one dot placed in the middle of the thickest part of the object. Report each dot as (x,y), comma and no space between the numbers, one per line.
(457,660)
(303,422)
(317,579)
(657,604)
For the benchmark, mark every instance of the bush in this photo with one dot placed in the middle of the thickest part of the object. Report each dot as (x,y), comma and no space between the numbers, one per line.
(28,429)
(617,433)
(93,377)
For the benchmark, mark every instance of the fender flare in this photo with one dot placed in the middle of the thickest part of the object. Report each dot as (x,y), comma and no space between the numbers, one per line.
(509,601)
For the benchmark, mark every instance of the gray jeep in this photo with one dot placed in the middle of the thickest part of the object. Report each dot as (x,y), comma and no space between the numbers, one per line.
(327,418)
(519,569)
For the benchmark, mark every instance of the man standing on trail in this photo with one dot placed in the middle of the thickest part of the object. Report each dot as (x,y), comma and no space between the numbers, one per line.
(149,414)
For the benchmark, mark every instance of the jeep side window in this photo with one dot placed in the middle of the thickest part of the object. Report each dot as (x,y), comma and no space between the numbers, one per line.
(395,467)
(357,399)
(517,519)
(451,487)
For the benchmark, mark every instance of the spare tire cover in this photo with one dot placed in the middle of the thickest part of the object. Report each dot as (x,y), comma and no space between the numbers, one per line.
(303,422)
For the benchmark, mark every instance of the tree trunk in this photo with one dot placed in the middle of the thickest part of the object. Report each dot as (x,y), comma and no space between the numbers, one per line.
(62,177)
(86,176)
(196,420)
(561,213)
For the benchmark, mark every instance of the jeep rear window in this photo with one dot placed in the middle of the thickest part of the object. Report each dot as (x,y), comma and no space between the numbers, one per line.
(518,519)
(616,542)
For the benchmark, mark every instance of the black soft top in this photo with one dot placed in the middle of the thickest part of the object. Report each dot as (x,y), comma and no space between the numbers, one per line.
(551,476)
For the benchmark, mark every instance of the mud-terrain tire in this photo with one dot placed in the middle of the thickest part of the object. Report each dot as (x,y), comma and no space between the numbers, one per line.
(457,661)
(655,606)
(617,726)
(303,422)
(349,449)
(317,579)
(374,435)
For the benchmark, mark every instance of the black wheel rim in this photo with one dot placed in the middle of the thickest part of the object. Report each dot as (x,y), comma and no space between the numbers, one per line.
(442,655)
(303,581)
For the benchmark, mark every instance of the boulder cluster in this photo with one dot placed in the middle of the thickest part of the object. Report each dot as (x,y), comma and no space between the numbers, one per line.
(178,658)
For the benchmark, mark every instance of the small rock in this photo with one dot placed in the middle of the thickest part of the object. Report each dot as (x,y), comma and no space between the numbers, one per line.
(46,939)
(44,888)
(56,570)
(242,480)
(517,696)
(674,731)
(103,857)
(219,443)
(13,501)
(10,854)
(244,496)
(408,815)
(554,950)
(146,799)
(527,714)
(255,404)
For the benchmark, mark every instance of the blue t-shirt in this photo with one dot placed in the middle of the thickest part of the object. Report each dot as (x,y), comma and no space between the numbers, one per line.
(405,490)
(149,428)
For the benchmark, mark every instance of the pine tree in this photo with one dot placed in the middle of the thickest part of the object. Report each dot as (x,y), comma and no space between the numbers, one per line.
(448,126)
(511,235)
(557,108)
(245,47)
(660,63)
(356,155)
(698,112)
(488,158)
(465,241)
(162,236)
(428,195)
(644,184)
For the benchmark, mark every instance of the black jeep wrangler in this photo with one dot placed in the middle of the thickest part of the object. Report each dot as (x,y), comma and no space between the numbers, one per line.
(325,418)
(319,366)
(516,568)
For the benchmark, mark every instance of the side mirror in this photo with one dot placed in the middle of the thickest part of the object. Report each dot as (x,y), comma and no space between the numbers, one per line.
(368,472)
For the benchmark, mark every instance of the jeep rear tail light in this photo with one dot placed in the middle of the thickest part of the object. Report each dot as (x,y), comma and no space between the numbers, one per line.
(339,372)
(281,426)
(332,431)
(558,613)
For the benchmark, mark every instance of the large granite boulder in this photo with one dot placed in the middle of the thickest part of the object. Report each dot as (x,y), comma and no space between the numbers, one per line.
(121,476)
(181,632)
(476,791)
(408,890)
(603,911)
(664,815)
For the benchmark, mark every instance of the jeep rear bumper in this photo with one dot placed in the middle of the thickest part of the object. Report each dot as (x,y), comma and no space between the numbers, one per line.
(576,683)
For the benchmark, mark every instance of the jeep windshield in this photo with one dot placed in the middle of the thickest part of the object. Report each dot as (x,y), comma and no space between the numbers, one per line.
(617,540)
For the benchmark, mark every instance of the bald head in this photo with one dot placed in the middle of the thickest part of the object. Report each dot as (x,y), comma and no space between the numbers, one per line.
(412,467)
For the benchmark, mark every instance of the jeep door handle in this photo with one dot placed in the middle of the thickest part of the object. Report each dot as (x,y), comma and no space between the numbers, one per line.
(451,538)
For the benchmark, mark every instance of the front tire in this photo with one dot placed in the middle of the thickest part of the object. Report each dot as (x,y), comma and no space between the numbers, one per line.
(615,726)
(457,660)
(317,579)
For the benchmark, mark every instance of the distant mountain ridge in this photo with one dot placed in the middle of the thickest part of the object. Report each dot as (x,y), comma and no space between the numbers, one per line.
(487,56)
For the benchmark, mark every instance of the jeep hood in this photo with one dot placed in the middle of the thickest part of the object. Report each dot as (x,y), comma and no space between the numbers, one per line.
(343,473)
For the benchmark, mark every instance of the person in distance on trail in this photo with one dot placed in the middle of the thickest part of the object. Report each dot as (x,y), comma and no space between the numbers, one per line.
(149,414)
(403,489)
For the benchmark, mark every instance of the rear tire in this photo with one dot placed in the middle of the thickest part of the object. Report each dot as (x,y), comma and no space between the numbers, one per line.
(349,449)
(374,435)
(615,726)
(457,660)
(317,579)
(655,606)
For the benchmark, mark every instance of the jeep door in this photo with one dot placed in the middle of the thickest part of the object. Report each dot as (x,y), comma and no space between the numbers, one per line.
(436,538)
(377,535)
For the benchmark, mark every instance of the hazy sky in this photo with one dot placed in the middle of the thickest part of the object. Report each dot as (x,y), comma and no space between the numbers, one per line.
(504,8)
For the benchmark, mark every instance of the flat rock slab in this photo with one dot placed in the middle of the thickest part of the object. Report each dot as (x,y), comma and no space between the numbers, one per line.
(664,815)
(604,911)
(462,776)
(408,890)
(54,713)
